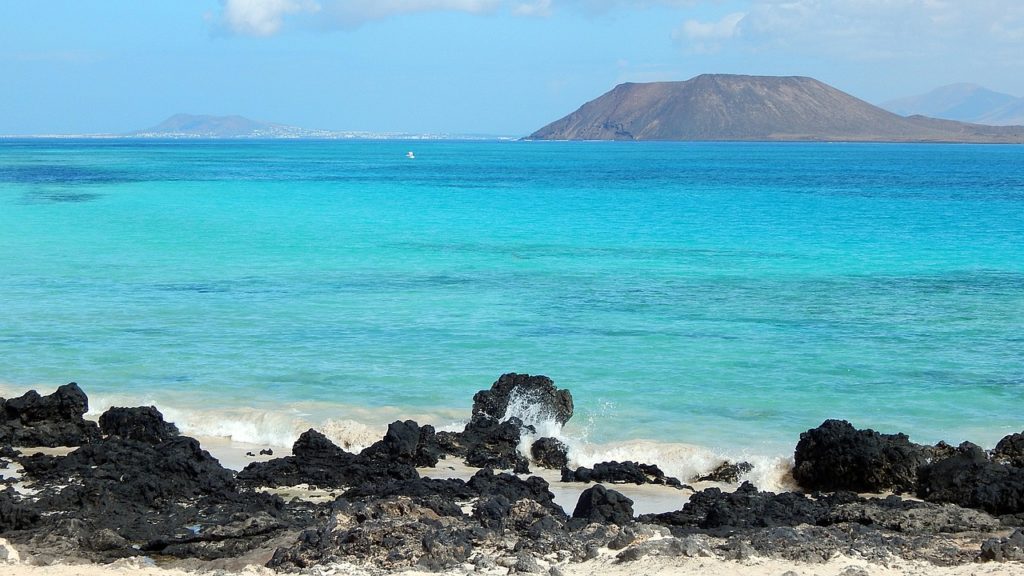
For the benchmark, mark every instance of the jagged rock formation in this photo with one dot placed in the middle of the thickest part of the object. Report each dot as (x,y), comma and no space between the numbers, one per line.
(136,487)
(53,420)
(759,108)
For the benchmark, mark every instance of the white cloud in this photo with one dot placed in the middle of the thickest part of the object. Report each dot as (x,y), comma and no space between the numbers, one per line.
(262,17)
(865,30)
(706,37)
(534,8)
(882,26)
(355,11)
(724,28)
(876,28)
(268,17)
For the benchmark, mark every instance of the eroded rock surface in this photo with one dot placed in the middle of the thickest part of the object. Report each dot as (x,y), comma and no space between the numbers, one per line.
(53,420)
(837,456)
(627,472)
(144,489)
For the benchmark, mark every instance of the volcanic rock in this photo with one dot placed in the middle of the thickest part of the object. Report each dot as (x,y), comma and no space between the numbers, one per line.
(627,472)
(726,472)
(317,461)
(494,444)
(747,507)
(14,516)
(598,504)
(145,424)
(53,420)
(837,456)
(1004,549)
(1010,450)
(514,488)
(550,453)
(969,479)
(538,394)
(695,546)
(391,534)
(114,497)
(407,442)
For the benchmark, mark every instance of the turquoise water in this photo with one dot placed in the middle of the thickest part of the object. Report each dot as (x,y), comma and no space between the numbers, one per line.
(725,295)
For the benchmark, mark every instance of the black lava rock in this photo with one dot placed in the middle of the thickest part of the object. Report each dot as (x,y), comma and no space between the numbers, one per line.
(1004,549)
(53,420)
(486,482)
(550,453)
(1010,450)
(837,456)
(14,516)
(145,424)
(538,391)
(318,461)
(494,444)
(627,472)
(408,442)
(598,504)
(970,479)
(726,472)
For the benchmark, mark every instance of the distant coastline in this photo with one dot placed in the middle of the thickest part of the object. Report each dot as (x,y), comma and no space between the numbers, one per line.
(207,127)
(333,136)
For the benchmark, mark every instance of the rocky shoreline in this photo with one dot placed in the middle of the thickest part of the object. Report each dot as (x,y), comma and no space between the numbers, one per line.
(133,487)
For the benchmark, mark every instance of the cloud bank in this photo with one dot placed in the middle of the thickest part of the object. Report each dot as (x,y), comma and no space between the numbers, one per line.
(268,17)
(858,30)
(261,17)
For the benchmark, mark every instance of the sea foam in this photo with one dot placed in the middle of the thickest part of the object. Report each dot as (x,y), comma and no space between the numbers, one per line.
(356,427)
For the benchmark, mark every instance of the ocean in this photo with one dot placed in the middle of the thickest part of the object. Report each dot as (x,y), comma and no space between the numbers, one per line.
(700,300)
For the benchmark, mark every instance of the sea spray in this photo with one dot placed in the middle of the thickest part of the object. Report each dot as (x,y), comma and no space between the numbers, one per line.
(280,427)
(680,460)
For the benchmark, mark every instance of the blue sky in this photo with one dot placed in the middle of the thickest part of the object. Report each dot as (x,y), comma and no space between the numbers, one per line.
(465,66)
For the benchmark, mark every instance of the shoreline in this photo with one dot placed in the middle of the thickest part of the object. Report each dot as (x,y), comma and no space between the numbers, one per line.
(230,434)
(130,491)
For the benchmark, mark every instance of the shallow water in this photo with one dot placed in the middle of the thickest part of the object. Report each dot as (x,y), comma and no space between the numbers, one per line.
(723,295)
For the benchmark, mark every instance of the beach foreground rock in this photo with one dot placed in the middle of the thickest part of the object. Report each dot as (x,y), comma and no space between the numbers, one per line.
(53,420)
(141,489)
(837,456)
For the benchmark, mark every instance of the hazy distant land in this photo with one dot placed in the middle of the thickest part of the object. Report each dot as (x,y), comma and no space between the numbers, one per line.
(209,127)
(708,107)
(215,127)
(755,108)
(963,102)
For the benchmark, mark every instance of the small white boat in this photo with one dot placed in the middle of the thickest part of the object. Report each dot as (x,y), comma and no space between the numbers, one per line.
(410,155)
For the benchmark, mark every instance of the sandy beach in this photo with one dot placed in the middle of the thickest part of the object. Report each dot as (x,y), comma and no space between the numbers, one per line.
(605,565)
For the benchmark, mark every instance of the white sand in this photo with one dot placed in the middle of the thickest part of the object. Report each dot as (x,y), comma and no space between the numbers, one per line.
(605,565)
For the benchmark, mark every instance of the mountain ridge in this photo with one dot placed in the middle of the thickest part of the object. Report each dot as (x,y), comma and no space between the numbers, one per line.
(756,108)
(964,102)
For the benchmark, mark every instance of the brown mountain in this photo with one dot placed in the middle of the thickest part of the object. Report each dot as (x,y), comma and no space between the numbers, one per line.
(762,108)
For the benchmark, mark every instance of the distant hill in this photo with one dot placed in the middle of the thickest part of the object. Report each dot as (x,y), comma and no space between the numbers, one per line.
(963,102)
(760,108)
(204,126)
(187,126)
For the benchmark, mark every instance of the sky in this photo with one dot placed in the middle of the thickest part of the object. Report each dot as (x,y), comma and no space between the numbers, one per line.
(500,67)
